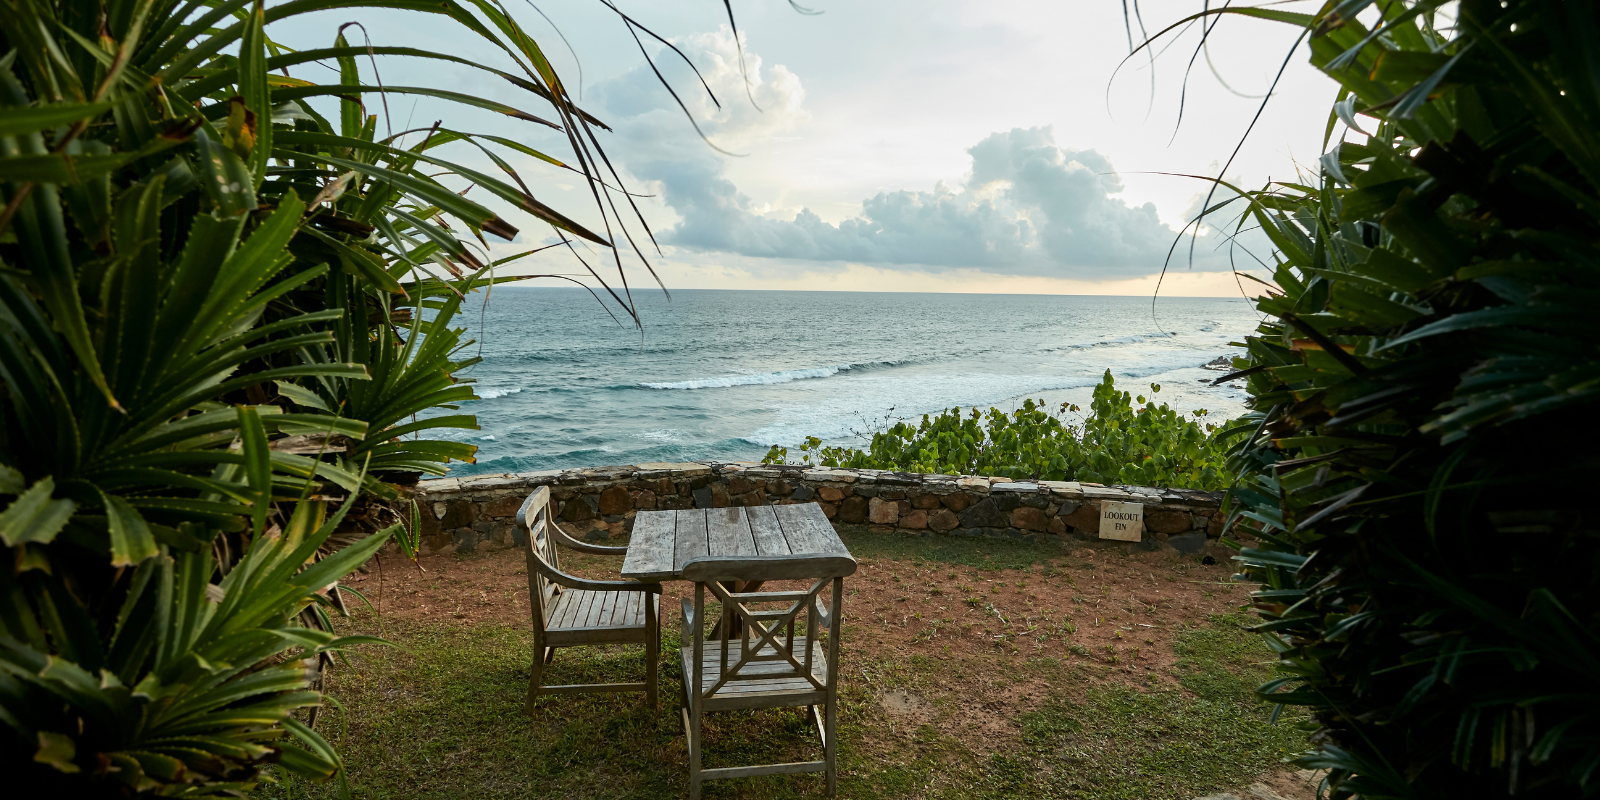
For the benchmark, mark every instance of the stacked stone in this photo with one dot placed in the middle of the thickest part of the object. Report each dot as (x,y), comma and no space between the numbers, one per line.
(601,503)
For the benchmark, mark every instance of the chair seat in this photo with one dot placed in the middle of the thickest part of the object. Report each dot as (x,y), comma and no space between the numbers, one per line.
(748,689)
(581,614)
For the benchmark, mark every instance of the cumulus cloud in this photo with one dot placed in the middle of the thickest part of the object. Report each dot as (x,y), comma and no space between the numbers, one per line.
(1028,206)
(642,111)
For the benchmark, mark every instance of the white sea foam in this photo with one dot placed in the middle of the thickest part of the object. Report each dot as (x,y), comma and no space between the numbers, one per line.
(911,396)
(1132,339)
(766,378)
(490,394)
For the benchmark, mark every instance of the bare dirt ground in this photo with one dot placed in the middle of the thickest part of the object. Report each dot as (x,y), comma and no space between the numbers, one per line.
(1112,611)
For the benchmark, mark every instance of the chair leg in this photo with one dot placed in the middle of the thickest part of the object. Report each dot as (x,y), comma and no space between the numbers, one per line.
(549,654)
(652,665)
(830,748)
(692,723)
(534,680)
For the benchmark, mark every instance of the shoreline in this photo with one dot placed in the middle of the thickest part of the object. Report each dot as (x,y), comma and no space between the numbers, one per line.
(1181,388)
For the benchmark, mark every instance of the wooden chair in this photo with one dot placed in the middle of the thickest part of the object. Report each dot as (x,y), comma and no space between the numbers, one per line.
(569,611)
(760,662)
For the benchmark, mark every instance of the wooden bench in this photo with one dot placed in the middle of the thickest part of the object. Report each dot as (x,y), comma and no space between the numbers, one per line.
(569,611)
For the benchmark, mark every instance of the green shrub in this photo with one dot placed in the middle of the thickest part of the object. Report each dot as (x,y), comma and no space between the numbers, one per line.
(1116,443)
(219,312)
(1429,551)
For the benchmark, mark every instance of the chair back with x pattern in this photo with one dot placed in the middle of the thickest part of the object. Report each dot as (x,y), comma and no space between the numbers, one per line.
(759,644)
(768,666)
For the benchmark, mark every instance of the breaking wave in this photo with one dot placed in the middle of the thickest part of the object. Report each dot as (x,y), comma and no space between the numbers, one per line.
(1133,339)
(767,378)
(490,394)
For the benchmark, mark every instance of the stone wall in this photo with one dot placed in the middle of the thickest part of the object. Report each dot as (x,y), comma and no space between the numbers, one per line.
(600,503)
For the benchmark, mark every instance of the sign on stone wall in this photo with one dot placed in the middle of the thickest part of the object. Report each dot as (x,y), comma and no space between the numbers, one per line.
(1123,521)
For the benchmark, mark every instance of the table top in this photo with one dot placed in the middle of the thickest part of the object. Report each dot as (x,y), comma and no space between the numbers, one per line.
(663,541)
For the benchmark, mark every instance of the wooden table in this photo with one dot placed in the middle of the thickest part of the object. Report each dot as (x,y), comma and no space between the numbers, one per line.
(663,541)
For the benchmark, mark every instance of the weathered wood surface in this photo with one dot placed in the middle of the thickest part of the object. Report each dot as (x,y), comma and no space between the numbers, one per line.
(769,537)
(762,684)
(769,667)
(569,611)
(584,617)
(650,552)
(728,532)
(579,609)
(756,569)
(664,542)
(691,537)
(808,531)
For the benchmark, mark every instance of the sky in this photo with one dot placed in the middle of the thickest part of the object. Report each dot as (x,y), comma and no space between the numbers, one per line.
(885,145)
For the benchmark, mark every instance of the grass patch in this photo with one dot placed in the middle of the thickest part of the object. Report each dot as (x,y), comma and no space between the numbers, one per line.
(441,717)
(1222,662)
(978,553)
(1121,742)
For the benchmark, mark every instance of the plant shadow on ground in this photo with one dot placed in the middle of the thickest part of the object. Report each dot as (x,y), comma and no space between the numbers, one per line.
(441,715)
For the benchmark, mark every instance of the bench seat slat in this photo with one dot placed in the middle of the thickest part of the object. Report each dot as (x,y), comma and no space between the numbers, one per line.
(580,609)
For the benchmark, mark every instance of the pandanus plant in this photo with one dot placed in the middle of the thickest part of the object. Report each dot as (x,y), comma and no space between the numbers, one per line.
(220,311)
(1416,467)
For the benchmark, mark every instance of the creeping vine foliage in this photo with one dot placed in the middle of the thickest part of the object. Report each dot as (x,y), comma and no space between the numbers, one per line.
(1118,442)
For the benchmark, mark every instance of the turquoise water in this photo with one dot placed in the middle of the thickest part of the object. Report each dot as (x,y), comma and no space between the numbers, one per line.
(726,374)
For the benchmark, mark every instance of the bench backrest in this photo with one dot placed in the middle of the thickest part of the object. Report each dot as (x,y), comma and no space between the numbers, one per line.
(534,519)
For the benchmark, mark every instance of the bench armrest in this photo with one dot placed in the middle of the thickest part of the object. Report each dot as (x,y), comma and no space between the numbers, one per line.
(824,614)
(560,578)
(570,543)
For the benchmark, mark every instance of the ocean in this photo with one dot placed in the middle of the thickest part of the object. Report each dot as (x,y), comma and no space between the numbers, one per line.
(724,375)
